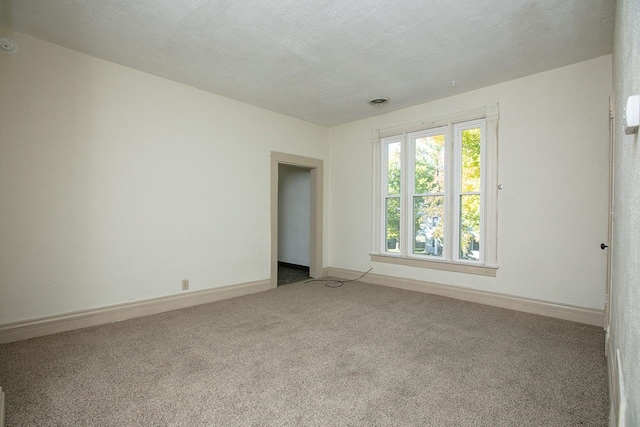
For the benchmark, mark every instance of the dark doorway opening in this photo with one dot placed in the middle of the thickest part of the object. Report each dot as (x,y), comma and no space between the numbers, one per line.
(294,218)
(304,247)
(291,273)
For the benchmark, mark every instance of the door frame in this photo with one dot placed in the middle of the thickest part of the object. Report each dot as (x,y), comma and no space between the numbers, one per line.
(316,169)
(610,210)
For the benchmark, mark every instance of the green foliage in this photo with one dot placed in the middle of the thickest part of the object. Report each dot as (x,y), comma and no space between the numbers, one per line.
(470,204)
(429,165)
(428,204)
(428,210)
(428,215)
(469,225)
(470,160)
(393,168)
(392,207)
(393,217)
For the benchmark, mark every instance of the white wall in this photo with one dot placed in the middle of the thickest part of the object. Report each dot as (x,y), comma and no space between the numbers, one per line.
(625,301)
(553,163)
(116,184)
(294,213)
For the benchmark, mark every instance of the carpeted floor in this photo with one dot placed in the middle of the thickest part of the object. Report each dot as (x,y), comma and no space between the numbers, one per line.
(306,354)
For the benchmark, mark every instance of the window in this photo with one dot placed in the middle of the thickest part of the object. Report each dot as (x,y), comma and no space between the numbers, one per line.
(437,193)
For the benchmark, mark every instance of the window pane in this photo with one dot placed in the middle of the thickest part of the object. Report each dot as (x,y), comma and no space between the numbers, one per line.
(428,225)
(429,171)
(470,160)
(393,167)
(392,224)
(470,227)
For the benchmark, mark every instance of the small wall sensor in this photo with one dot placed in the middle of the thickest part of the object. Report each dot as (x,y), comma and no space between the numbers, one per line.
(632,115)
(8,45)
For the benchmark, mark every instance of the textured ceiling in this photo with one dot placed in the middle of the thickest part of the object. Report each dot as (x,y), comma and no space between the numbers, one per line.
(322,61)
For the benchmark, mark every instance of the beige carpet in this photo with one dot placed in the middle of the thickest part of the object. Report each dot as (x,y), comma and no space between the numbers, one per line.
(305,354)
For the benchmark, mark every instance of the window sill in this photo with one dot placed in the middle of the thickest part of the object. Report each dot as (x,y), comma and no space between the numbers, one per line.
(457,267)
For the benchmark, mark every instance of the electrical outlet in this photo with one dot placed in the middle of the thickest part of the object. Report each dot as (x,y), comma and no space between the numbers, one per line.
(185,284)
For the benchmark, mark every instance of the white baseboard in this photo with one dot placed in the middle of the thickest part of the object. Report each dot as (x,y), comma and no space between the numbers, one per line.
(31,328)
(590,316)
(323,272)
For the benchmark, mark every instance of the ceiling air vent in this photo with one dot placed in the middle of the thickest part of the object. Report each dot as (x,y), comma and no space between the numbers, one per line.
(379,101)
(8,45)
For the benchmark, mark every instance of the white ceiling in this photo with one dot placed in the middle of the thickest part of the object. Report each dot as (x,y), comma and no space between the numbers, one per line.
(322,61)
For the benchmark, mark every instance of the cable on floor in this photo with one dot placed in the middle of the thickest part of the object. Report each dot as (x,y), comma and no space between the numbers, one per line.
(336,283)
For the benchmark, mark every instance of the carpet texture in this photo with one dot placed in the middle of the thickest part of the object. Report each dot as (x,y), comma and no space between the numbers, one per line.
(306,354)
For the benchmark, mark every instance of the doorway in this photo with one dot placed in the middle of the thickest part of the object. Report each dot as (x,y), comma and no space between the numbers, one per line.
(609,245)
(294,214)
(314,168)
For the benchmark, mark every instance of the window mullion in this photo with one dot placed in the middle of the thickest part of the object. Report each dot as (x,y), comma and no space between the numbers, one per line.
(406,190)
(384,162)
(385,186)
(450,201)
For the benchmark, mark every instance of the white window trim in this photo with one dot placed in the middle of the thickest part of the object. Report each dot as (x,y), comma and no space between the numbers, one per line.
(488,263)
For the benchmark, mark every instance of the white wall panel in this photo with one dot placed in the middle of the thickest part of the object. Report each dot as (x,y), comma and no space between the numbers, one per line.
(115,184)
(553,163)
